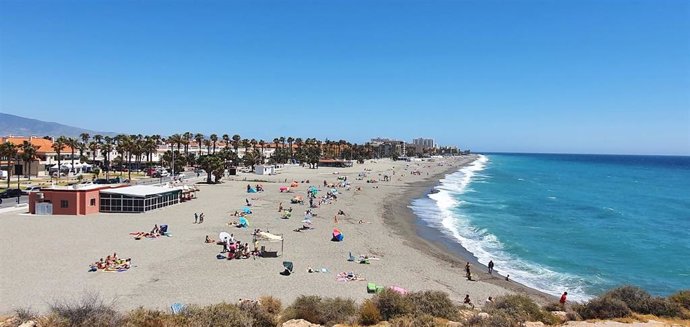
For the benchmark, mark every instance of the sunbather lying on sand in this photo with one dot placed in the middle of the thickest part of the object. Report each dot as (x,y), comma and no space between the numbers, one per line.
(209,240)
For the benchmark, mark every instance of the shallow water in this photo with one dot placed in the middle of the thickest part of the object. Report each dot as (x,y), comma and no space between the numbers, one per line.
(576,223)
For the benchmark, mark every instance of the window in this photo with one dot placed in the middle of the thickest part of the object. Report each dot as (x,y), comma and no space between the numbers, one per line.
(64,204)
(92,202)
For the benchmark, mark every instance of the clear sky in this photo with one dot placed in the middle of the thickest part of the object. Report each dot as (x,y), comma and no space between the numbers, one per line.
(605,76)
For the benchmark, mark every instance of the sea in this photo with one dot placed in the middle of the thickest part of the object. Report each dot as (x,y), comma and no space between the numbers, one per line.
(577,223)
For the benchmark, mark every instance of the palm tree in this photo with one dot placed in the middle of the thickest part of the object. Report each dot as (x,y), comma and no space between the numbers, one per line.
(245,145)
(8,150)
(72,143)
(214,139)
(262,143)
(199,139)
(57,147)
(236,141)
(106,149)
(226,139)
(93,147)
(290,140)
(186,139)
(207,144)
(83,144)
(28,154)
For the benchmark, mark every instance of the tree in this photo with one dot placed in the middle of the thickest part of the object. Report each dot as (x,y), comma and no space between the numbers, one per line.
(185,139)
(199,138)
(72,143)
(57,146)
(9,151)
(236,141)
(28,155)
(262,144)
(93,147)
(107,148)
(214,139)
(251,158)
(213,166)
(290,140)
(83,145)
(226,139)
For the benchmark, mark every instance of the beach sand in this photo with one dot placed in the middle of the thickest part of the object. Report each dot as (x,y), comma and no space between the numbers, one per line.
(45,258)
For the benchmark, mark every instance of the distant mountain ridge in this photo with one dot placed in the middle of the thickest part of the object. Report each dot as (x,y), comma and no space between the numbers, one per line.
(21,126)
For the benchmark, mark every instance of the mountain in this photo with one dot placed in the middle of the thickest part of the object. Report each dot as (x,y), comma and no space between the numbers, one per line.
(20,126)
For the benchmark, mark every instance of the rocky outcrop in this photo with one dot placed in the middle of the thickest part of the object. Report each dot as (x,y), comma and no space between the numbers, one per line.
(299,323)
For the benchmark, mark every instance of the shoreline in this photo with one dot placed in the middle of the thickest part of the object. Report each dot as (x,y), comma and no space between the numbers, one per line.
(417,235)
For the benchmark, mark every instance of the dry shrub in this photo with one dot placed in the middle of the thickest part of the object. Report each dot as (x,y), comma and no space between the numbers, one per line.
(145,318)
(682,298)
(603,308)
(639,301)
(368,313)
(25,314)
(327,311)
(521,308)
(392,304)
(497,319)
(271,304)
(304,307)
(89,311)
(337,310)
(415,321)
(260,316)
(434,303)
(222,314)
(553,306)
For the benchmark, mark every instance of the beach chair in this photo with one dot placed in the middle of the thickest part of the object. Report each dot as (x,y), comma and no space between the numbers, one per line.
(351,257)
(288,268)
(177,308)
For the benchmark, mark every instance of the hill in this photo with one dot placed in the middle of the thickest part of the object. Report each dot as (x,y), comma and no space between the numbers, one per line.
(21,126)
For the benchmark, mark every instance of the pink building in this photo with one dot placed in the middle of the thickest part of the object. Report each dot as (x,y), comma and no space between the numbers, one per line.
(83,200)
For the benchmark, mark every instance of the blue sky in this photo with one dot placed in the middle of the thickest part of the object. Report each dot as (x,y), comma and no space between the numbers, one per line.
(526,76)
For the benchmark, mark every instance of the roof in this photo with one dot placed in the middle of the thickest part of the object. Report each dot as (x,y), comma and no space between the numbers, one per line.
(40,144)
(77,187)
(141,190)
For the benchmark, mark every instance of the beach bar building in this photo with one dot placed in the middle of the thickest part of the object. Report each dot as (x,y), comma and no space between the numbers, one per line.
(66,200)
(139,198)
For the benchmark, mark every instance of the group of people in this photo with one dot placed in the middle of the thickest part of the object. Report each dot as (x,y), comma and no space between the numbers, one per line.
(234,249)
(111,263)
(155,232)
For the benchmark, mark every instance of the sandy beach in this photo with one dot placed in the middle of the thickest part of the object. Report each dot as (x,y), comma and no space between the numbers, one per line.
(46,258)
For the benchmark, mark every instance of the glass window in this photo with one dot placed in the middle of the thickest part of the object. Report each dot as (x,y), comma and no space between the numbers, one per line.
(92,202)
(64,204)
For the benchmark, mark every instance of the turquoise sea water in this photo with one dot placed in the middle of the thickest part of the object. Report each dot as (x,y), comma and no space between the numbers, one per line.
(576,223)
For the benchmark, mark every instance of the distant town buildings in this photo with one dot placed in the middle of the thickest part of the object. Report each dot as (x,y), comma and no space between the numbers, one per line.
(423,146)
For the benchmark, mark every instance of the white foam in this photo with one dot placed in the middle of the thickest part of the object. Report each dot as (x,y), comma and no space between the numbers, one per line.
(439,211)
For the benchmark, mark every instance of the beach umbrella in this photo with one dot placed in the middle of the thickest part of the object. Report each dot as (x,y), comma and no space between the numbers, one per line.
(244,222)
(224,236)
(337,235)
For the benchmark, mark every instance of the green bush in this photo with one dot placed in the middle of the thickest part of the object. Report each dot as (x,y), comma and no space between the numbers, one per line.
(222,314)
(638,300)
(304,307)
(682,298)
(89,311)
(392,304)
(603,308)
(368,313)
(434,303)
(521,308)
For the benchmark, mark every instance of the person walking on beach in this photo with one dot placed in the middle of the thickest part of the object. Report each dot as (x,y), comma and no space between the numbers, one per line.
(491,267)
(468,273)
(196,218)
(201,218)
(563,299)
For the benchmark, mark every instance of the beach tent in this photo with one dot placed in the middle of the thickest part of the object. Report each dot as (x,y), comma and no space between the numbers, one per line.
(337,235)
(247,210)
(269,238)
(251,190)
(244,223)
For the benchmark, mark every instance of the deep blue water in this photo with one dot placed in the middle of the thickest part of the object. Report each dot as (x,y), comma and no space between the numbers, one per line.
(576,223)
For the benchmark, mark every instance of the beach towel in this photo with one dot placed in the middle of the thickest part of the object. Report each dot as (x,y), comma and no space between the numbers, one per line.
(371,287)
